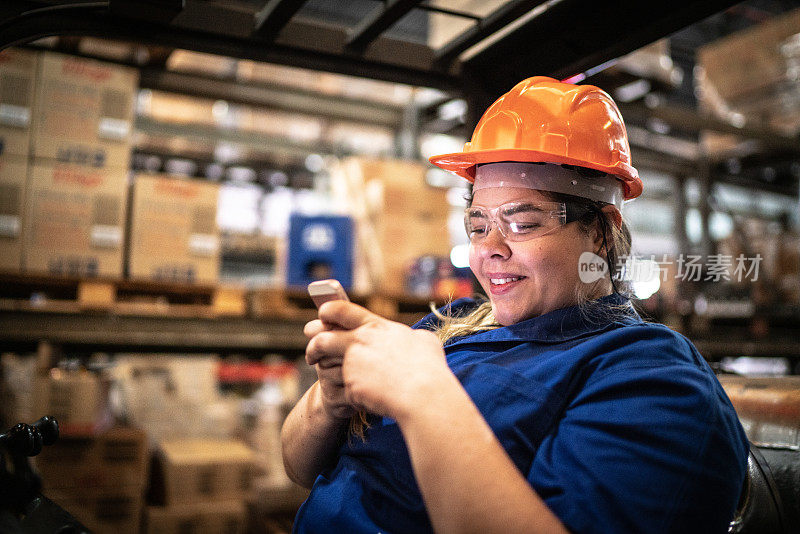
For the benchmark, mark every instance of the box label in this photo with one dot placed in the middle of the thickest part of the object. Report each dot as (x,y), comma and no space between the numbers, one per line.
(16,116)
(10,225)
(113,129)
(203,245)
(81,155)
(106,236)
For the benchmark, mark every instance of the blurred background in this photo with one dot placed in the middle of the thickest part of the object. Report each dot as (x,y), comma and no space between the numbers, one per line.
(173,174)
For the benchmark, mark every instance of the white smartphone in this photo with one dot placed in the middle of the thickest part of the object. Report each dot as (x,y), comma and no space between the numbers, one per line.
(324,290)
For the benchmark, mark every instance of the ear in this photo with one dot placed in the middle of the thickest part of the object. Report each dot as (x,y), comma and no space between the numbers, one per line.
(613,214)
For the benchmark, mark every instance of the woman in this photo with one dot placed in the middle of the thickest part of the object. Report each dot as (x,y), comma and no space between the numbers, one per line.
(552,407)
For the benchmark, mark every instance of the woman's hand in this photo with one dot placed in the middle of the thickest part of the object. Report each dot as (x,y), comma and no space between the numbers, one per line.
(329,374)
(381,366)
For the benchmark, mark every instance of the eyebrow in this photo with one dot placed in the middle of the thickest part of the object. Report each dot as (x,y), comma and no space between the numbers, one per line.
(521,208)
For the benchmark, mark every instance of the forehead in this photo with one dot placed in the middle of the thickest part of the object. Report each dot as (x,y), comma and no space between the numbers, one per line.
(495,196)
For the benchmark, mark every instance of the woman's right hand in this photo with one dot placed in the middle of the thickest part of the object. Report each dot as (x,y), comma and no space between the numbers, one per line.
(329,373)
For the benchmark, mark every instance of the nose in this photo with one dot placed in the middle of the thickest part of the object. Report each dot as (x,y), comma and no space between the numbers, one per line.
(494,244)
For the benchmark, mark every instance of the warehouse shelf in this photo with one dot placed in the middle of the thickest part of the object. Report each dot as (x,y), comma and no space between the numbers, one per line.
(129,315)
(274,97)
(22,330)
(257,143)
(42,293)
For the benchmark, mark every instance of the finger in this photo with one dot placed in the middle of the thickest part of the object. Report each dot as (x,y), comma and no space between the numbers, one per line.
(329,344)
(327,362)
(345,314)
(312,328)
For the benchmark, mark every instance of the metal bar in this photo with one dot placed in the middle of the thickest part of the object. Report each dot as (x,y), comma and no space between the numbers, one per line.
(14,9)
(451,12)
(162,11)
(572,36)
(140,333)
(505,15)
(256,142)
(692,121)
(21,25)
(20,30)
(274,97)
(681,209)
(380,20)
(271,19)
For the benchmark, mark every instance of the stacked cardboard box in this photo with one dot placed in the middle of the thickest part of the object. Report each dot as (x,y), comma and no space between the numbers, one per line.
(17,379)
(399,219)
(173,230)
(83,111)
(99,480)
(74,222)
(80,153)
(17,81)
(216,517)
(199,487)
(77,399)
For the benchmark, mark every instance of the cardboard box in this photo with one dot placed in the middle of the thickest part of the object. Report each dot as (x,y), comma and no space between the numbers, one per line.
(74,220)
(173,230)
(17,377)
(117,457)
(394,207)
(178,109)
(83,111)
(214,517)
(13,173)
(17,81)
(77,399)
(168,396)
(112,510)
(747,61)
(749,75)
(191,470)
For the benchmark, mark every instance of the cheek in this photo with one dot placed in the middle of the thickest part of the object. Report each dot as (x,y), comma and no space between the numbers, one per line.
(553,259)
(474,259)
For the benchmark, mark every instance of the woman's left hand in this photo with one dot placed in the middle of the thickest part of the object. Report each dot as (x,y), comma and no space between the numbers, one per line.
(387,367)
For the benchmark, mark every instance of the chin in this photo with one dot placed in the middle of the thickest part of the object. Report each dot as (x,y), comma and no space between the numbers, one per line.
(507,317)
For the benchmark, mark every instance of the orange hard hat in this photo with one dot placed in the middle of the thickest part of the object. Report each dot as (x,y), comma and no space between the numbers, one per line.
(544,120)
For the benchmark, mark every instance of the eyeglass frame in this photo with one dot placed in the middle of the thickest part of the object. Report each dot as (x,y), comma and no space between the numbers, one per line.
(567,212)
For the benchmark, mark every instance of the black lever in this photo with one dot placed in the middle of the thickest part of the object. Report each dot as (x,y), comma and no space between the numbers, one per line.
(22,508)
(27,440)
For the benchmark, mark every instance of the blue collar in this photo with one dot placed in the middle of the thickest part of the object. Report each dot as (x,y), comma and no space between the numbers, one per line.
(563,324)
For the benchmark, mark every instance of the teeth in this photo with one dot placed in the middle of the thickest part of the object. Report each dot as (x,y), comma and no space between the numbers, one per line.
(498,281)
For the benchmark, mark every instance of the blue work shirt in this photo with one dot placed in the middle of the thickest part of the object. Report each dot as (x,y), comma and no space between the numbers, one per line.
(619,426)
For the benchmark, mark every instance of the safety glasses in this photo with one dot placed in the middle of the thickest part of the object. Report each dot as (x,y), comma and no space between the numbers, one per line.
(518,221)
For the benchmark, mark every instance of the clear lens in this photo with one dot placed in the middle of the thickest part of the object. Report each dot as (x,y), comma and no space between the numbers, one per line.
(517,221)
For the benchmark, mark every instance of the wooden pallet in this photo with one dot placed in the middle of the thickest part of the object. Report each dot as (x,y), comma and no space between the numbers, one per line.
(122,297)
(146,298)
(295,304)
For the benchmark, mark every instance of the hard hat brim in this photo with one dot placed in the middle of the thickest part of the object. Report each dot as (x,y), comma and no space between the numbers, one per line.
(463,164)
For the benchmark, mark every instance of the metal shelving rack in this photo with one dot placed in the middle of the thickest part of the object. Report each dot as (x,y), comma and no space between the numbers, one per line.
(103,332)
(556,38)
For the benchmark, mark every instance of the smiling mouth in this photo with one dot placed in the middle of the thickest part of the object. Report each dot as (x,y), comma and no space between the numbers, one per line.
(504,281)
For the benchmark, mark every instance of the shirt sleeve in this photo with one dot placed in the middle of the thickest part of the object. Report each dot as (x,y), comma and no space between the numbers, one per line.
(649,443)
